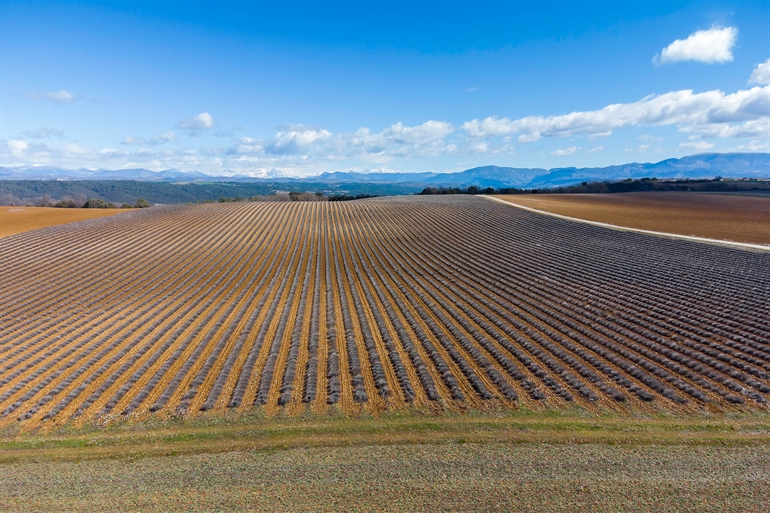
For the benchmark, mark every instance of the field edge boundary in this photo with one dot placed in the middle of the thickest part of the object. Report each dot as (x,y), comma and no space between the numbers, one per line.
(256,433)
(739,245)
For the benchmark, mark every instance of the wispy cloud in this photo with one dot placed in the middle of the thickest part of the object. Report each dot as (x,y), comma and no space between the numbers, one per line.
(642,148)
(54,96)
(566,151)
(712,46)
(163,138)
(131,140)
(153,141)
(696,145)
(43,133)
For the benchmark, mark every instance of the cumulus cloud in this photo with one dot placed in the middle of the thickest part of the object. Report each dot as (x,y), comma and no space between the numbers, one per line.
(247,145)
(420,134)
(54,96)
(683,108)
(712,46)
(17,148)
(761,74)
(202,121)
(396,141)
(596,149)
(566,151)
(294,138)
(43,133)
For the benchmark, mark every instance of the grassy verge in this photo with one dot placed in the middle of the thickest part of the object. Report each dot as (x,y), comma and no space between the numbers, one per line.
(252,432)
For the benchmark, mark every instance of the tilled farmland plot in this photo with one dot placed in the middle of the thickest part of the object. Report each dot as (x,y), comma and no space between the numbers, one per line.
(445,303)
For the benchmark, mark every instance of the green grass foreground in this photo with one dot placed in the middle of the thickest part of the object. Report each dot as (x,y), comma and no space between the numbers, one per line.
(253,432)
(503,461)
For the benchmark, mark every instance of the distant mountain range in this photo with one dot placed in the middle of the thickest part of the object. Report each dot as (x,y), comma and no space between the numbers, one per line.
(727,165)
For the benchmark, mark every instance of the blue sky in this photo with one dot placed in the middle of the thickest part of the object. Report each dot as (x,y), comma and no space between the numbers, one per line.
(299,88)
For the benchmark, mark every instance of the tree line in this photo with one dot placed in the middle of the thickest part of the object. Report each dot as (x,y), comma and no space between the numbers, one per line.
(89,203)
(717,184)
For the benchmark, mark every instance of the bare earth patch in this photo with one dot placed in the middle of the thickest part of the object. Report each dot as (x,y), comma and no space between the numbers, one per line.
(15,220)
(714,216)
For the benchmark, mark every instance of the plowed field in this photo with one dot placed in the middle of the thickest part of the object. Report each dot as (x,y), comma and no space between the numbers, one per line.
(713,216)
(15,220)
(439,303)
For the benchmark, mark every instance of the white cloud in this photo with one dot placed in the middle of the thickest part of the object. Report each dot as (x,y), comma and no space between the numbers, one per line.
(755,145)
(154,140)
(753,128)
(297,137)
(247,145)
(43,133)
(595,150)
(17,148)
(54,96)
(163,138)
(59,96)
(479,147)
(396,141)
(76,151)
(761,74)
(649,138)
(712,46)
(642,148)
(696,145)
(131,140)
(420,134)
(490,127)
(600,135)
(683,108)
(112,152)
(201,121)
(566,151)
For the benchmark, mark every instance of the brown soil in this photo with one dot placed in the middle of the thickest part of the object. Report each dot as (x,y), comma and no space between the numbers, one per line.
(714,216)
(15,220)
(445,279)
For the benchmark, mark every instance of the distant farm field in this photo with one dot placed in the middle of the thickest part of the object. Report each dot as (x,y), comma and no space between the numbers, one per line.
(15,220)
(438,303)
(713,216)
